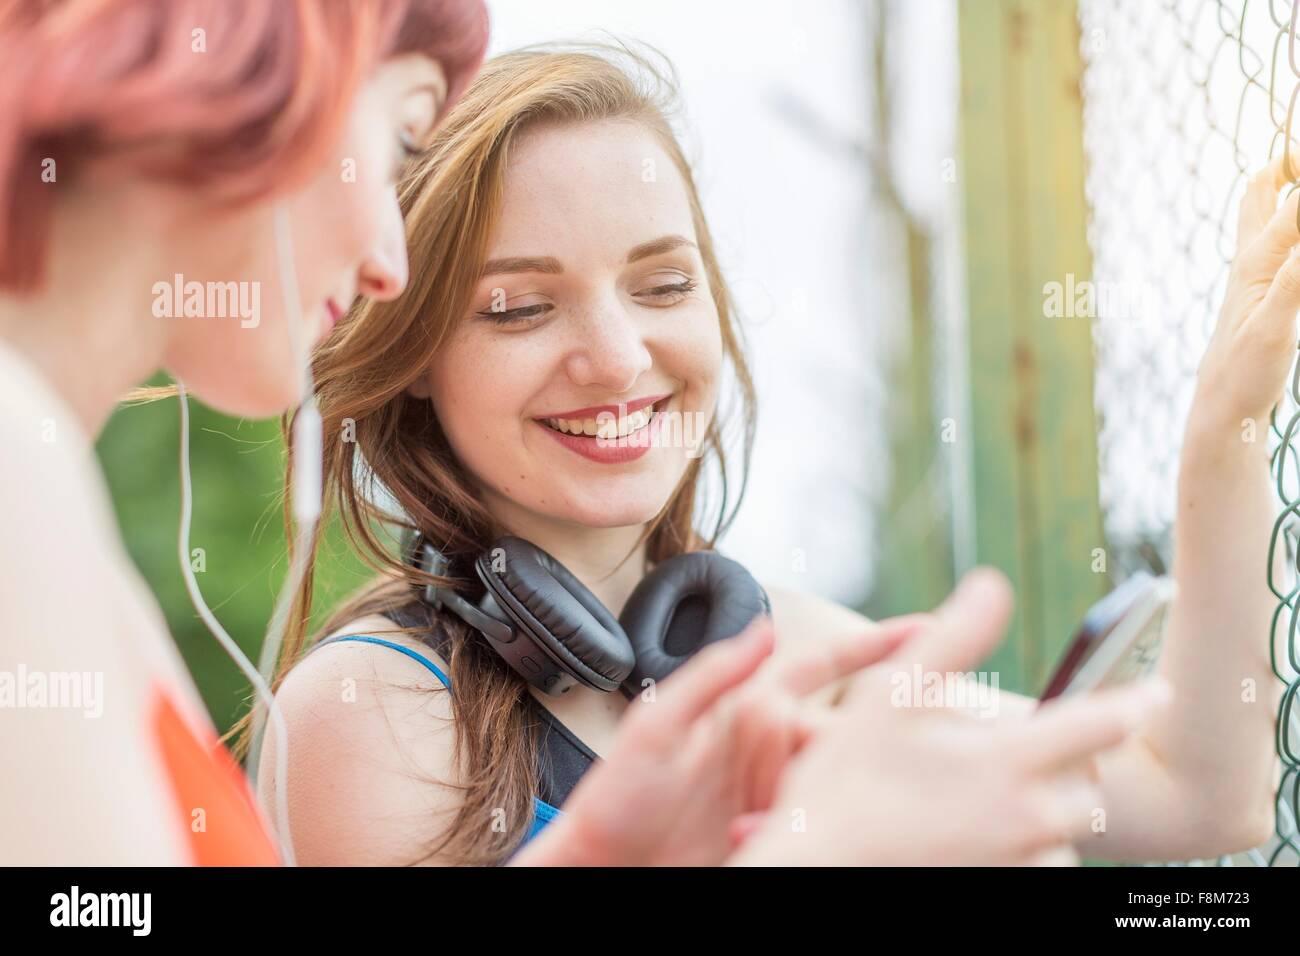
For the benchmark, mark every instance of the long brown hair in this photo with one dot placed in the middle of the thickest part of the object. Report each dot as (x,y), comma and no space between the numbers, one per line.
(379,439)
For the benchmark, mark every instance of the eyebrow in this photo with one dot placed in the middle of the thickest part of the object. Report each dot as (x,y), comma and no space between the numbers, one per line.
(656,247)
(512,264)
(551,266)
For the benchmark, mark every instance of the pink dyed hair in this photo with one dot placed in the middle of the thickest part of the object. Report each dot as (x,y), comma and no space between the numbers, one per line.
(252,116)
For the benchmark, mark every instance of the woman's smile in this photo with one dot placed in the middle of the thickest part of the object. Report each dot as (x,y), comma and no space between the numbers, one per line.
(609,434)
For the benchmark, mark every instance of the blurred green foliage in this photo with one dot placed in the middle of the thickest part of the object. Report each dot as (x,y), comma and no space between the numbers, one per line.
(237,469)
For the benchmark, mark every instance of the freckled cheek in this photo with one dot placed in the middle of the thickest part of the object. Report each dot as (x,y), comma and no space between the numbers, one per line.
(695,357)
(479,400)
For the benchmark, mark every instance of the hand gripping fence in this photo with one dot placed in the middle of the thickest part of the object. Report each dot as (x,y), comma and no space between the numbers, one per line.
(1183,101)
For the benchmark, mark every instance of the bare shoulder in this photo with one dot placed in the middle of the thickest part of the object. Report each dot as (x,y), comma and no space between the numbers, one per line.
(371,770)
(370,639)
(82,766)
(386,670)
(799,615)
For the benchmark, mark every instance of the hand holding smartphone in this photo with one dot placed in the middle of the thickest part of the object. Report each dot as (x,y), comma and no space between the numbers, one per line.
(1119,639)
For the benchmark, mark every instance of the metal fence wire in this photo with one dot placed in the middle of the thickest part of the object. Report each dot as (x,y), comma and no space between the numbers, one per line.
(1183,100)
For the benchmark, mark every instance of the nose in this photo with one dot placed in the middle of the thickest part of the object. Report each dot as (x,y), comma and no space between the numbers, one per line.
(384,272)
(610,350)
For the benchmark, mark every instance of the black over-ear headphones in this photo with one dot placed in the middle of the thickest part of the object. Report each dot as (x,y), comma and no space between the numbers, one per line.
(555,633)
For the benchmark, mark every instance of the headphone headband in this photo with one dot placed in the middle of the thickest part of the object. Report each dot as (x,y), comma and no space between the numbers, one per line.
(423,556)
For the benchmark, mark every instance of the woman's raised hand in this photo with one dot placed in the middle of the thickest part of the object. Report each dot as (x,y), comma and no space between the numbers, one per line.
(1254,343)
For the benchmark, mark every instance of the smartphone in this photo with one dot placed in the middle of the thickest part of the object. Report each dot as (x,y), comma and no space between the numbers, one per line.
(1119,639)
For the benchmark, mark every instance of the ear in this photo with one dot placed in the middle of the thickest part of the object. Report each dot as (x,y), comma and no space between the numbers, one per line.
(420,387)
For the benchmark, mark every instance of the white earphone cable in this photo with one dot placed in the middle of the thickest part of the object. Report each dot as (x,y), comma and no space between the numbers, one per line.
(236,654)
(305,504)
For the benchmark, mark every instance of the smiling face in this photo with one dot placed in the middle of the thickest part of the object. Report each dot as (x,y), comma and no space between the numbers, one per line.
(348,241)
(593,309)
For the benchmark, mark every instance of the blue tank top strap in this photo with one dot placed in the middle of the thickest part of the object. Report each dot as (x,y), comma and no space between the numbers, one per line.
(414,655)
(543,812)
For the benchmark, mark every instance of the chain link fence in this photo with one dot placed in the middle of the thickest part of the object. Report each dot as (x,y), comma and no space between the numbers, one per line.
(1183,100)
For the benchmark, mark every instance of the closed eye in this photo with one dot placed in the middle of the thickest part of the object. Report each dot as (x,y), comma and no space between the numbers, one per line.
(408,149)
(506,316)
(674,291)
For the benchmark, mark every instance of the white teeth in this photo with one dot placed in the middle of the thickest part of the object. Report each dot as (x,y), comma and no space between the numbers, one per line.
(607,426)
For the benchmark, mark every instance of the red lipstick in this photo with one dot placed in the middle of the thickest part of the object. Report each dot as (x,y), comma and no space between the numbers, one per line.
(593,411)
(333,312)
(610,451)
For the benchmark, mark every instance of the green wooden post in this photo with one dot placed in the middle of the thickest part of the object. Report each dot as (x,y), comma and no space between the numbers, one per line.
(1033,429)
(916,570)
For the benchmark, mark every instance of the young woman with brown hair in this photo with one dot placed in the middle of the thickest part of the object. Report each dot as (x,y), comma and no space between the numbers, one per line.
(565,283)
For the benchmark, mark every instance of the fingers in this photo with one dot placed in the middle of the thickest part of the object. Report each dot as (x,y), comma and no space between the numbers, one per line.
(965,628)
(697,685)
(1074,798)
(906,624)
(1053,816)
(1273,240)
(1070,729)
(816,666)
(1276,315)
(743,827)
(809,723)
(1048,815)
(1260,200)
(1060,855)
(772,741)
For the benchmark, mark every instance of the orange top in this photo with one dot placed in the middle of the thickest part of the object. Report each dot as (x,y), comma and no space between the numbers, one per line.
(211,792)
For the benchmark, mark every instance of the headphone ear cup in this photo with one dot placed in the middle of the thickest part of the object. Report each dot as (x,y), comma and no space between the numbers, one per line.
(562,616)
(684,604)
